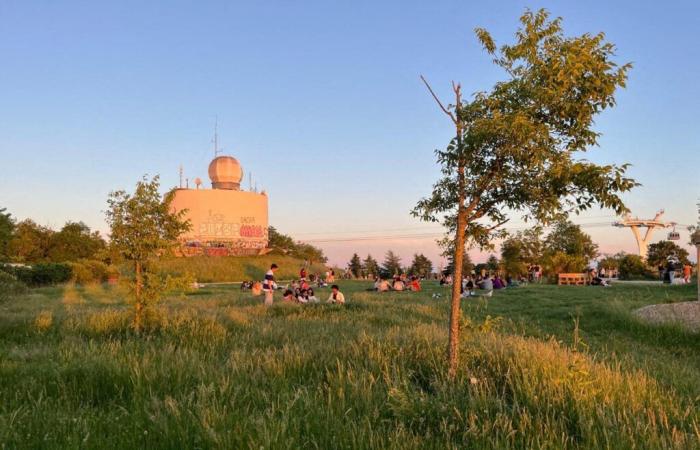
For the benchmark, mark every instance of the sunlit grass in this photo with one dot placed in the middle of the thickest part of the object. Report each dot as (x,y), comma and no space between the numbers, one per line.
(218,369)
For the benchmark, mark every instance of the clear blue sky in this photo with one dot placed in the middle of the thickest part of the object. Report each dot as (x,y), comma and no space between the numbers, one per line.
(320,100)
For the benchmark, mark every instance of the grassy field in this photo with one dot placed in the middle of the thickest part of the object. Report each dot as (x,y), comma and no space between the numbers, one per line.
(542,367)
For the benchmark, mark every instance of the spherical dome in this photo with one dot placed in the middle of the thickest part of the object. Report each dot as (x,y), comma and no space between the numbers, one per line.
(225,173)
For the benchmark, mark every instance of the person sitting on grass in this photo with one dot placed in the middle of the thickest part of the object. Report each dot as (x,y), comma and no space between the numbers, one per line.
(414,285)
(487,286)
(336,296)
(288,296)
(383,285)
(468,287)
(398,284)
(310,297)
(303,296)
(498,283)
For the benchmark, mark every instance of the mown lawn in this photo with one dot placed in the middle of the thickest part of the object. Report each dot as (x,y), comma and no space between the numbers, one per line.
(217,370)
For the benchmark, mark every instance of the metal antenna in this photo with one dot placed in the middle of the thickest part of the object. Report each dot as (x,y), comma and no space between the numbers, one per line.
(181,176)
(216,137)
(250,181)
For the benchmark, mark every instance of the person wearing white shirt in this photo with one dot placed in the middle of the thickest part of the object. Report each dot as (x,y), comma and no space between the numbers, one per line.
(336,296)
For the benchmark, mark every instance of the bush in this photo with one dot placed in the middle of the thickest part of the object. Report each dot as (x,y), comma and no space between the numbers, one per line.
(42,274)
(89,271)
(632,267)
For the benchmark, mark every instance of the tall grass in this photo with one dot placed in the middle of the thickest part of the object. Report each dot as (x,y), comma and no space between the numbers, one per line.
(220,370)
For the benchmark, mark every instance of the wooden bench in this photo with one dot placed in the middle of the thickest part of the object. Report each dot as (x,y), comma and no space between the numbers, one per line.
(573,279)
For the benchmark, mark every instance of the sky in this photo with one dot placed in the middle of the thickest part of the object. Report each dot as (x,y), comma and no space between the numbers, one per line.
(321,101)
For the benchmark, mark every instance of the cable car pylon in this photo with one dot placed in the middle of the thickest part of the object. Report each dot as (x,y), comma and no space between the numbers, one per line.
(650,224)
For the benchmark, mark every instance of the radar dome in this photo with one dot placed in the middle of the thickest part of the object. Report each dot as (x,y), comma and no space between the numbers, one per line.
(225,172)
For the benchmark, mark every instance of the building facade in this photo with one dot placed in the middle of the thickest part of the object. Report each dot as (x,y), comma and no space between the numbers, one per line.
(225,220)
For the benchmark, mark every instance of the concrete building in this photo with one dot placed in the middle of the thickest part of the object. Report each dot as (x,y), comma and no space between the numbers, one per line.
(225,220)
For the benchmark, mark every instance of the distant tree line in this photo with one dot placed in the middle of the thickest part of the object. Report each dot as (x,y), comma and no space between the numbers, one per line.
(420,266)
(28,242)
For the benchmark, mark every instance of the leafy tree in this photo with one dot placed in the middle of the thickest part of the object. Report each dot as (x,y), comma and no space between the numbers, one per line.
(7,227)
(308,253)
(467,264)
(632,267)
(492,263)
(517,147)
(658,253)
(355,266)
(421,266)
(391,265)
(288,246)
(513,256)
(568,238)
(30,242)
(75,241)
(610,261)
(370,267)
(279,241)
(143,227)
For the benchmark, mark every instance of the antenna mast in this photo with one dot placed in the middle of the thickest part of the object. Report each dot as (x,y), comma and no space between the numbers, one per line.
(181,176)
(216,137)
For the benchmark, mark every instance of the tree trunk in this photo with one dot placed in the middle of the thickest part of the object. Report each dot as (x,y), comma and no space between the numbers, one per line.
(137,294)
(455,309)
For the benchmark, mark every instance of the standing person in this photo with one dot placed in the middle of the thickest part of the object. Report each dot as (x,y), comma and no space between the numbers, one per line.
(687,271)
(336,296)
(302,274)
(269,285)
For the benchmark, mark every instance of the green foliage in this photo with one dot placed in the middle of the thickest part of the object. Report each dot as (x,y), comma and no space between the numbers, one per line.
(610,261)
(7,227)
(287,246)
(421,266)
(370,267)
(632,267)
(658,253)
(568,238)
(518,145)
(40,274)
(391,265)
(89,271)
(30,242)
(73,242)
(143,227)
(355,265)
(492,263)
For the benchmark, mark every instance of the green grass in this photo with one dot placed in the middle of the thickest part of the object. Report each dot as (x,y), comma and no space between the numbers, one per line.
(235,268)
(217,369)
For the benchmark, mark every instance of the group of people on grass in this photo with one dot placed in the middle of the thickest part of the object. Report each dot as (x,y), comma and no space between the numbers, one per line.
(299,291)
(398,283)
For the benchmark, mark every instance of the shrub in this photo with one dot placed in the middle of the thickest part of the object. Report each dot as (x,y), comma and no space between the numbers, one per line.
(42,274)
(633,267)
(89,271)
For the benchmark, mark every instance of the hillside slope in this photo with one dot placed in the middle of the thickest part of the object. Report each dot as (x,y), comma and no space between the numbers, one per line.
(207,269)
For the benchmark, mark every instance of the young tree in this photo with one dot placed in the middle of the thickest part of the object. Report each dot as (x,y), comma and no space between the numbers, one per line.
(391,265)
(7,228)
(143,226)
(370,267)
(513,256)
(492,263)
(517,146)
(421,266)
(355,266)
(658,253)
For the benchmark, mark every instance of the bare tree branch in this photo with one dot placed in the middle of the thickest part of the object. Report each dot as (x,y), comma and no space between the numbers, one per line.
(442,107)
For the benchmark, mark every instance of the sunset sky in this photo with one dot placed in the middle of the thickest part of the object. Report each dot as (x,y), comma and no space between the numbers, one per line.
(321,101)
